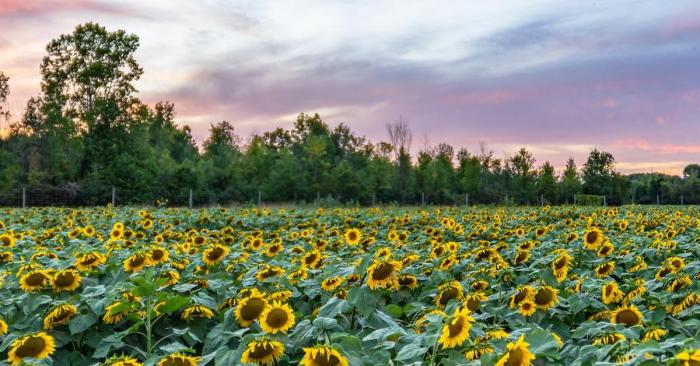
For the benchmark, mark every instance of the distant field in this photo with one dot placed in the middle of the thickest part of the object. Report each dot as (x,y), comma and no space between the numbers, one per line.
(376,286)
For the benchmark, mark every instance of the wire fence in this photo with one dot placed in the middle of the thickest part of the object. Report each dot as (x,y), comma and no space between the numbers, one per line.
(73,196)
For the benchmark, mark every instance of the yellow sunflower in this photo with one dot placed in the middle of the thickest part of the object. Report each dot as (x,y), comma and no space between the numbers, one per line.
(611,293)
(197,311)
(7,241)
(323,356)
(408,281)
(250,308)
(609,338)
(527,307)
(330,284)
(122,360)
(592,239)
(116,312)
(517,354)
(456,331)
(215,254)
(277,318)
(448,291)
(352,236)
(627,315)
(136,262)
(61,314)
(383,274)
(178,359)
(686,358)
(263,352)
(66,280)
(34,280)
(546,297)
(3,326)
(38,346)
(159,255)
(89,261)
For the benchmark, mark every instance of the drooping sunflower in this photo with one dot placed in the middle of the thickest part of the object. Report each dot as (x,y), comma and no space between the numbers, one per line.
(473,301)
(179,359)
(609,338)
(611,293)
(560,266)
(215,254)
(116,312)
(330,284)
(521,294)
(448,291)
(456,330)
(627,315)
(263,352)
(604,269)
(34,280)
(89,261)
(592,239)
(352,236)
(3,326)
(323,356)
(66,280)
(689,358)
(546,297)
(408,281)
(172,277)
(653,334)
(250,308)
(383,274)
(517,354)
(159,255)
(136,262)
(61,314)
(475,351)
(121,360)
(38,345)
(277,318)
(197,311)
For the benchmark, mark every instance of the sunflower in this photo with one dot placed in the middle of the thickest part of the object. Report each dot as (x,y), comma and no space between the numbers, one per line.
(383,274)
(592,239)
(116,312)
(352,236)
(517,354)
(136,262)
(7,241)
(330,284)
(521,294)
(89,261)
(197,311)
(611,293)
(473,301)
(627,315)
(604,269)
(159,255)
(263,352)
(277,318)
(171,277)
(323,356)
(66,280)
(250,308)
(215,254)
(475,351)
(448,291)
(38,346)
(609,338)
(653,334)
(3,326)
(178,359)
(527,307)
(34,280)
(560,266)
(408,281)
(61,314)
(122,360)
(546,297)
(605,249)
(685,358)
(456,330)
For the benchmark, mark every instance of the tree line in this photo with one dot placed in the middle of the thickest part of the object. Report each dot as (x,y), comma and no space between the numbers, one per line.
(87,132)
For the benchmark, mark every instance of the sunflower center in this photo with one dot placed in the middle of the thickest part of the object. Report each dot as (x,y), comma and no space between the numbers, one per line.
(172,361)
(215,253)
(261,351)
(137,261)
(456,327)
(277,318)
(382,272)
(35,279)
(515,357)
(352,236)
(252,308)
(31,347)
(447,295)
(325,360)
(627,317)
(64,279)
(560,263)
(157,255)
(592,237)
(543,297)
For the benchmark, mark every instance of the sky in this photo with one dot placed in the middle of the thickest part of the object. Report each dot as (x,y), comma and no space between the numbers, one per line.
(557,77)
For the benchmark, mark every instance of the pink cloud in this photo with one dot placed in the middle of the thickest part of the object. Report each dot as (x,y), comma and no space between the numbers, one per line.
(484,97)
(644,145)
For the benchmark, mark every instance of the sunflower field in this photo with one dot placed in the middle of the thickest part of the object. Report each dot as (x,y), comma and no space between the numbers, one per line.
(350,287)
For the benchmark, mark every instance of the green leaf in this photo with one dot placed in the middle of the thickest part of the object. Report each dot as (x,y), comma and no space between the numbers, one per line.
(81,322)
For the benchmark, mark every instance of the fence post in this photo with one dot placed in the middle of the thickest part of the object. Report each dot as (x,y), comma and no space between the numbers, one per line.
(681,200)
(506,198)
(24,197)
(542,200)
(422,198)
(259,198)
(318,198)
(114,196)
(190,200)
(657,199)
(605,201)
(574,200)
(374,198)
(466,199)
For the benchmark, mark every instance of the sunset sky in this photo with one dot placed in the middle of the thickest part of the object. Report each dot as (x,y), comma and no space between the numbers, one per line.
(558,77)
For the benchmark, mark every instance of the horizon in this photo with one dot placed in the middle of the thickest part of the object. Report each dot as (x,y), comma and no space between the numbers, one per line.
(536,75)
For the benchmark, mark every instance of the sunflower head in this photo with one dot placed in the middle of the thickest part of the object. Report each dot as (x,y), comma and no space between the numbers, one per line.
(39,346)
(517,354)
(263,352)
(627,315)
(250,308)
(66,280)
(323,356)
(277,318)
(456,329)
(179,359)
